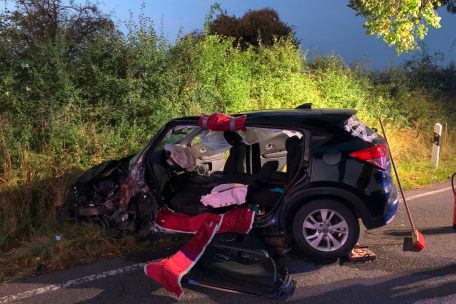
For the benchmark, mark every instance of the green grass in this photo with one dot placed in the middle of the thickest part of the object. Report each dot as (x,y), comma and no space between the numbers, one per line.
(78,245)
(414,174)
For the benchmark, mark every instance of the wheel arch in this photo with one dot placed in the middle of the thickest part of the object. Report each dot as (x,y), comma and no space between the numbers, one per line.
(343,196)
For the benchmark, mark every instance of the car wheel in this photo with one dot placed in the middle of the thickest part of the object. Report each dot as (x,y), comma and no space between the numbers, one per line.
(326,228)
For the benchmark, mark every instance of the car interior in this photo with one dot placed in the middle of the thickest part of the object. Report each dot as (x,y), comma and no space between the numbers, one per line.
(190,161)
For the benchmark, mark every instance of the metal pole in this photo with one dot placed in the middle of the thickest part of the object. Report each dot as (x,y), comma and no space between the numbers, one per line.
(397,178)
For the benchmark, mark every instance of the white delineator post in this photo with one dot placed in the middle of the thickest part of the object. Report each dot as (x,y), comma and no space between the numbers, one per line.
(436,144)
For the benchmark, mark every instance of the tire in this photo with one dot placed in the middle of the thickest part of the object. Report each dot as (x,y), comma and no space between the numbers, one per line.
(335,240)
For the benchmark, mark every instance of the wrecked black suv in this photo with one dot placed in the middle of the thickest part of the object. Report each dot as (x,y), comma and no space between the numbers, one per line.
(310,174)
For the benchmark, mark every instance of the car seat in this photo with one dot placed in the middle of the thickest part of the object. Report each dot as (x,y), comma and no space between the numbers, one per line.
(236,162)
(267,195)
(234,170)
(188,200)
(294,146)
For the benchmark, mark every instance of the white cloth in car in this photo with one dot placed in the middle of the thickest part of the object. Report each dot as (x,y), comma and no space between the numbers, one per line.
(225,195)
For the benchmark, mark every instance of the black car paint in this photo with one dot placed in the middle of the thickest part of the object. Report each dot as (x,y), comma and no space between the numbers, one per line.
(326,168)
(368,191)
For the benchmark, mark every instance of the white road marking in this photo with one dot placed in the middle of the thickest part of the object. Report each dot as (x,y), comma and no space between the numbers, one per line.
(53,287)
(409,198)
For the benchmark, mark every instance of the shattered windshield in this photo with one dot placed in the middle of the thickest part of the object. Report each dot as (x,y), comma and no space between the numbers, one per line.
(178,135)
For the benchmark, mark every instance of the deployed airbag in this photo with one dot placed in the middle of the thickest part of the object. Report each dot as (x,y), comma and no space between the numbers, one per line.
(214,142)
(182,156)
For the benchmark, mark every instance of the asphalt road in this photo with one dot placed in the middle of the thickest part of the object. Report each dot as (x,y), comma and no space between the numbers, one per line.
(396,276)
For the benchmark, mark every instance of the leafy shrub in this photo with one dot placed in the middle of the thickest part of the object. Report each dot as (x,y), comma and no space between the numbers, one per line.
(61,114)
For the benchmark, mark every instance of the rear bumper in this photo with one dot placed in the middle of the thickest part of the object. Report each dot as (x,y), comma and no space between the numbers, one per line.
(389,213)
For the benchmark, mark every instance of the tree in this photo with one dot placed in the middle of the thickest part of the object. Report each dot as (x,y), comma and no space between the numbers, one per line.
(42,45)
(400,22)
(253,27)
(41,21)
(450,4)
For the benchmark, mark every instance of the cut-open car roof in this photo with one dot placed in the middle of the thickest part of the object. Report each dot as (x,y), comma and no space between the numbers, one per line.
(283,118)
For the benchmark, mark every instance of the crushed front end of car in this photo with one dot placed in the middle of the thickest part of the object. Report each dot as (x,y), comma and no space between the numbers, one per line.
(125,196)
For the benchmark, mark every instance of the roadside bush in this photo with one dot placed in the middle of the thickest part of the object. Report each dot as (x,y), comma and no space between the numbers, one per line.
(61,114)
(281,78)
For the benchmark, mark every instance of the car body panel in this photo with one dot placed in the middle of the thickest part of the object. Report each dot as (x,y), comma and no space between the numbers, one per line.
(326,168)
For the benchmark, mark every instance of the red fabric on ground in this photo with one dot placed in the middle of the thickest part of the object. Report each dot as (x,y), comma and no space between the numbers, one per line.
(222,122)
(169,272)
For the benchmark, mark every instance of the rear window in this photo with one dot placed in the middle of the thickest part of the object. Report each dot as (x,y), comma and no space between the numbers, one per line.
(359,129)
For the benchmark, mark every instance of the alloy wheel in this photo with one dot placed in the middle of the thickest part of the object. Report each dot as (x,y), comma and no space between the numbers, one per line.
(325,230)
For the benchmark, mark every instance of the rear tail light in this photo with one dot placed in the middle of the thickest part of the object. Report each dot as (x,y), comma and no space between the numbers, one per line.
(376,155)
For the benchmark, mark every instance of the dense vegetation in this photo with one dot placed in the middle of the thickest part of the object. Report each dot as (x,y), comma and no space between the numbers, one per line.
(81,92)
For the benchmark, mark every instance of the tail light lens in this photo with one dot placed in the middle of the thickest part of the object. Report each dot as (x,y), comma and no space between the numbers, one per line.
(376,155)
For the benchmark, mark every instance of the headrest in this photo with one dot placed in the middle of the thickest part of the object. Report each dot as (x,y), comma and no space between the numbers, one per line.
(232,137)
(292,143)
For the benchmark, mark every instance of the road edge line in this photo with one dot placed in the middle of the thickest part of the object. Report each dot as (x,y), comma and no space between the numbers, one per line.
(427,193)
(53,287)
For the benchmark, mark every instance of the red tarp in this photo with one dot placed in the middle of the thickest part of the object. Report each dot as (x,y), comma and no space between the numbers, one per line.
(222,122)
(169,272)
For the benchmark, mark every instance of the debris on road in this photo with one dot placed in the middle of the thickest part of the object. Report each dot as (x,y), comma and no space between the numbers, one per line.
(361,254)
